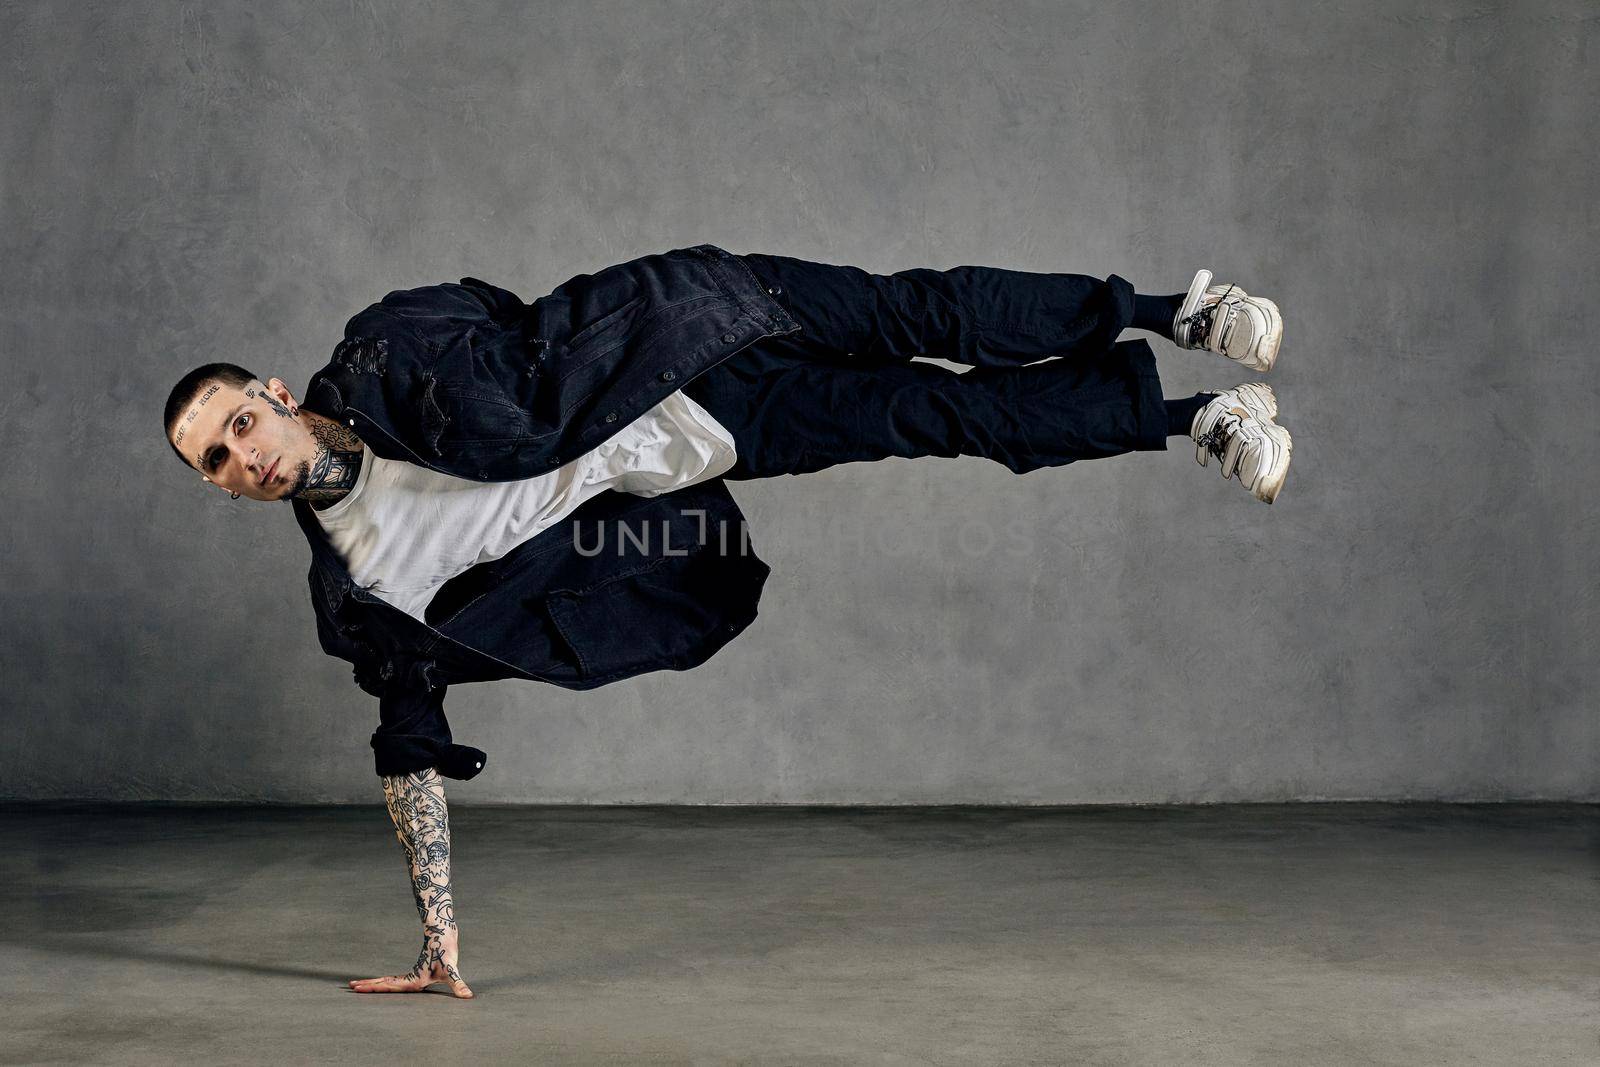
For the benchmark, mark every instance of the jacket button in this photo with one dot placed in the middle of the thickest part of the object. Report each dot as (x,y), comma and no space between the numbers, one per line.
(775,290)
(478,764)
(668,375)
(352,422)
(611,416)
(729,337)
(483,475)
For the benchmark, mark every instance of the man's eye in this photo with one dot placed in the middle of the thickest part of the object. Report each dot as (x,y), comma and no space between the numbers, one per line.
(238,422)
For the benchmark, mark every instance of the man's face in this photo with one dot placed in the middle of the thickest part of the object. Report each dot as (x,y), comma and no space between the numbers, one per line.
(250,441)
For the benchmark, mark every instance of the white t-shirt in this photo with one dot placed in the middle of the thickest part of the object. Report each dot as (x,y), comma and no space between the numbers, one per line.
(403,530)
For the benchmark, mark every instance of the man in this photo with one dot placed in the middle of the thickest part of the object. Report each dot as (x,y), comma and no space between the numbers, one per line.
(449,466)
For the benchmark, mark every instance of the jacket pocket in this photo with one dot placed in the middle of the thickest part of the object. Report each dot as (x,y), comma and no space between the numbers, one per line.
(606,330)
(670,614)
(456,413)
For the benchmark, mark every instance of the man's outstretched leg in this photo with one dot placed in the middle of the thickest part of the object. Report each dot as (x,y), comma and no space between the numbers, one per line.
(793,411)
(992,316)
(984,316)
(795,408)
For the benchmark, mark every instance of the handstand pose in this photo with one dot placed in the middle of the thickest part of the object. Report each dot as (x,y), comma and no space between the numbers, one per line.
(449,466)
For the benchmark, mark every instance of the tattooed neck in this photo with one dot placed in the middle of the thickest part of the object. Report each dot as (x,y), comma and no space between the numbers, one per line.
(336,466)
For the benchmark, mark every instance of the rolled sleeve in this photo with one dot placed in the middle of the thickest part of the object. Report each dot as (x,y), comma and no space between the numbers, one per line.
(413,735)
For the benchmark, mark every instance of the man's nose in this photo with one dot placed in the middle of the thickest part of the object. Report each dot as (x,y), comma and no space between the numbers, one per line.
(249,461)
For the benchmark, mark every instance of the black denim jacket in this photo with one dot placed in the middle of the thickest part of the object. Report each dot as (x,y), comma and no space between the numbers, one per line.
(469,380)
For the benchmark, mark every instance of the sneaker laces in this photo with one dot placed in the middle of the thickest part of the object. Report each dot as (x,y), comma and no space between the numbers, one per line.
(1215,440)
(1205,315)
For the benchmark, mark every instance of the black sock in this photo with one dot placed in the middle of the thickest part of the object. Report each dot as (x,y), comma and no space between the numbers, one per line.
(1155,313)
(1181,413)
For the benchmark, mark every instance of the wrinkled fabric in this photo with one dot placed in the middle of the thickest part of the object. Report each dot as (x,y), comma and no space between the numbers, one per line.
(468,380)
(1050,384)
(806,364)
(404,530)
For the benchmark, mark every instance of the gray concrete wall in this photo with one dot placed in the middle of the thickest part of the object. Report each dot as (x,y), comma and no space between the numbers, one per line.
(1413,183)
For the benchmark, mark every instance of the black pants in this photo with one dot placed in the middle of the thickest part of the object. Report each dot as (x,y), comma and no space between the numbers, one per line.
(845,389)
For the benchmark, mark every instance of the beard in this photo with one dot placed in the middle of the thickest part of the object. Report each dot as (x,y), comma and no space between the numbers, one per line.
(302,478)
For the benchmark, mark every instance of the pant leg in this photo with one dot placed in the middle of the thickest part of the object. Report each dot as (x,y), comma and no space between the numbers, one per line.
(984,316)
(793,409)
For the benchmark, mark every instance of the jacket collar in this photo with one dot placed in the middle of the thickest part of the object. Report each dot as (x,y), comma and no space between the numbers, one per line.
(330,579)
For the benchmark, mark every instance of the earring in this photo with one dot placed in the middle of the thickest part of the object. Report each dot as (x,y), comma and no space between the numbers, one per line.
(233,494)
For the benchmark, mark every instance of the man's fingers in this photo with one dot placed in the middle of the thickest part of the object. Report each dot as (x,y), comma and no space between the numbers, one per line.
(394,983)
(410,983)
(447,971)
(385,978)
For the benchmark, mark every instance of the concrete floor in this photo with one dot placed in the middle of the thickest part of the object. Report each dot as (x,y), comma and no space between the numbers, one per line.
(1307,934)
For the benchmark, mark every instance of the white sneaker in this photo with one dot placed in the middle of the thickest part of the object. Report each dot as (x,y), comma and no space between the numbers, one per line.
(1236,426)
(1229,321)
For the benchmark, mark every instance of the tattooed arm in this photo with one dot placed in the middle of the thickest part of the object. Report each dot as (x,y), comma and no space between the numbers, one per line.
(422,823)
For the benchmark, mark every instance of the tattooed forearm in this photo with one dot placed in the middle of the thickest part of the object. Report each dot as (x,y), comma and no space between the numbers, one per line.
(422,823)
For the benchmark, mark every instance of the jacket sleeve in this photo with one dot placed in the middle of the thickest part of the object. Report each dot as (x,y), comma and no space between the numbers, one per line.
(413,734)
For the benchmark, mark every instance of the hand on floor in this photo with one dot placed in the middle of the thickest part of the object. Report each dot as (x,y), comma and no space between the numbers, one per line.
(436,963)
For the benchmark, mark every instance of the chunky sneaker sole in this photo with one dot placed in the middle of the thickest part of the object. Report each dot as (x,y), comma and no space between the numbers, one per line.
(1237,427)
(1230,322)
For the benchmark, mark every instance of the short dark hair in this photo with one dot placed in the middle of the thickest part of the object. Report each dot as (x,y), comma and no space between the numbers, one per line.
(189,387)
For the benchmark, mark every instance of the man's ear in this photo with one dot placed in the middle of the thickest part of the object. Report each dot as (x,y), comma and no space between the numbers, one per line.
(278,389)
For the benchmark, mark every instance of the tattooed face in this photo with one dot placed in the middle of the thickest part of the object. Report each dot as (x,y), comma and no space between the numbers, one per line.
(257,441)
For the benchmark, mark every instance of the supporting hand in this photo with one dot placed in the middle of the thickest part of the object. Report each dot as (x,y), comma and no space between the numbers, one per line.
(438,962)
